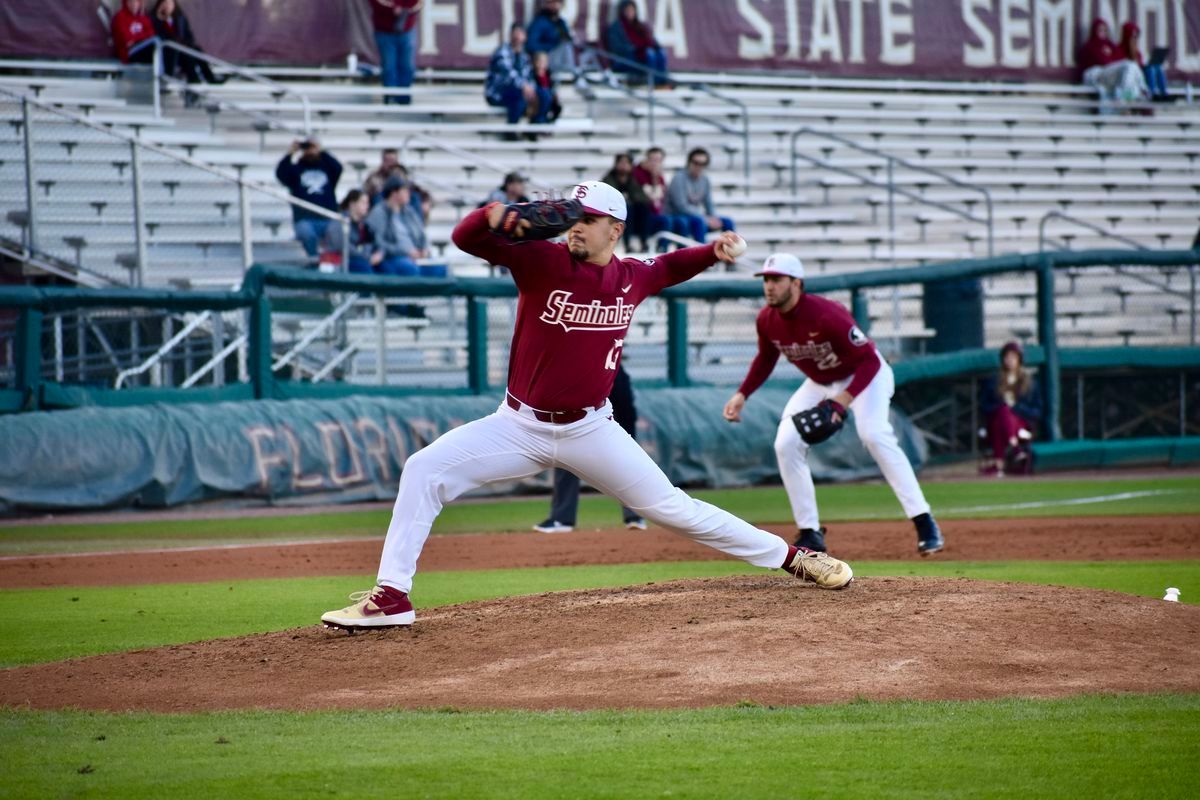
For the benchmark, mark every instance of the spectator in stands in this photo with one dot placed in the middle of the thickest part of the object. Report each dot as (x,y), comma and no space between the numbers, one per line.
(649,174)
(389,159)
(511,191)
(630,38)
(1116,78)
(1012,406)
(690,196)
(397,230)
(395,23)
(510,80)
(545,83)
(637,222)
(1156,79)
(310,174)
(172,25)
(550,34)
(365,256)
(422,201)
(133,33)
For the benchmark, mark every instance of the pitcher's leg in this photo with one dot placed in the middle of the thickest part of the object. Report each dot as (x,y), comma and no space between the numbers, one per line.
(870,411)
(792,454)
(609,459)
(493,448)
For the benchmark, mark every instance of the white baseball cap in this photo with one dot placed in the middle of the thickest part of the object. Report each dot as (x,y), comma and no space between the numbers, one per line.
(600,198)
(781,264)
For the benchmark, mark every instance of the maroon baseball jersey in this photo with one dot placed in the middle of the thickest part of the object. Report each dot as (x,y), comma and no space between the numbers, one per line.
(818,336)
(572,316)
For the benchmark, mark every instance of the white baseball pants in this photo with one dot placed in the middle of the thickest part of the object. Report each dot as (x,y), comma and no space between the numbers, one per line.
(870,410)
(508,445)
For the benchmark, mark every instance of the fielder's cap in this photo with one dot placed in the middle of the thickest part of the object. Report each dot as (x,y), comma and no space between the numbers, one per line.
(782,264)
(392,184)
(600,198)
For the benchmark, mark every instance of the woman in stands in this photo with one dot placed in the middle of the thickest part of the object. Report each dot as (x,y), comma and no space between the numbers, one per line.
(133,33)
(629,37)
(364,255)
(1106,69)
(172,25)
(1156,79)
(1012,405)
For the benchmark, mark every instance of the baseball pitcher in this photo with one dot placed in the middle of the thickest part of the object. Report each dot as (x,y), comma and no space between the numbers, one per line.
(576,300)
(845,374)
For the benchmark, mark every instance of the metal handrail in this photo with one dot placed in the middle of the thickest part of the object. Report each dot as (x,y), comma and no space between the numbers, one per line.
(244,72)
(891,185)
(137,144)
(652,101)
(162,351)
(1049,215)
(465,155)
(215,361)
(317,331)
(209,94)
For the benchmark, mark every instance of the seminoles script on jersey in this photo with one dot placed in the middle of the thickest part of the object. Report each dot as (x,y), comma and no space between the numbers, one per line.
(818,336)
(572,316)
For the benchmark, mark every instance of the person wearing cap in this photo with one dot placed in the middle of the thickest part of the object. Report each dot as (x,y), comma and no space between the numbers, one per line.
(510,82)
(310,174)
(841,364)
(511,191)
(575,303)
(1012,406)
(397,230)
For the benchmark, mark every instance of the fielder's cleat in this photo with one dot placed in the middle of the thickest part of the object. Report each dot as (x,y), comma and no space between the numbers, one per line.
(381,607)
(929,535)
(553,526)
(820,568)
(638,524)
(811,539)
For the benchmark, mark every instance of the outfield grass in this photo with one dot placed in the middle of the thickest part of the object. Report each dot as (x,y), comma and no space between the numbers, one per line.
(90,620)
(1096,746)
(763,505)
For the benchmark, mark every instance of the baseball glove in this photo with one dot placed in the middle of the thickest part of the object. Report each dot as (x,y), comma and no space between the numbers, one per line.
(546,218)
(820,422)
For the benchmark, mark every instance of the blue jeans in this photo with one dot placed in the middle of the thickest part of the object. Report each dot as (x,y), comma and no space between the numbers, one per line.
(1156,79)
(697,226)
(656,60)
(397,265)
(310,231)
(360,264)
(397,61)
(514,100)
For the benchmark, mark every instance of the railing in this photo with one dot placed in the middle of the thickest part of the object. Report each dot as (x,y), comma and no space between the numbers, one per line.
(890,185)
(465,155)
(278,88)
(137,147)
(652,102)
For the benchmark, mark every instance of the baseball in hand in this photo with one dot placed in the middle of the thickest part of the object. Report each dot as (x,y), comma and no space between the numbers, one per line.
(735,247)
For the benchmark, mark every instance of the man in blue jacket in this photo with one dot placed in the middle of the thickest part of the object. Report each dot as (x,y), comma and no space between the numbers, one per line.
(310,174)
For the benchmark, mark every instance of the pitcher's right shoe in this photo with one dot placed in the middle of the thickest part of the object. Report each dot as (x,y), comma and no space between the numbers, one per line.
(929,535)
(811,539)
(381,607)
(820,568)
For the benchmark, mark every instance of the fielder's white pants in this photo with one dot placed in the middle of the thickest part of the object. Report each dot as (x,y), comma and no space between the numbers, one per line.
(508,445)
(870,410)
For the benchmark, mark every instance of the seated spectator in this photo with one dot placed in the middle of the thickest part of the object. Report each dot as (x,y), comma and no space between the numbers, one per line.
(399,232)
(133,33)
(549,33)
(637,221)
(630,38)
(422,201)
(510,80)
(545,81)
(364,255)
(1012,407)
(389,159)
(649,174)
(690,196)
(511,191)
(172,25)
(1156,79)
(310,174)
(1116,78)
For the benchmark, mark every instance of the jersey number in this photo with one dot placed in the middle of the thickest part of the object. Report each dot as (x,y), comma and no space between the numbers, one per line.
(610,362)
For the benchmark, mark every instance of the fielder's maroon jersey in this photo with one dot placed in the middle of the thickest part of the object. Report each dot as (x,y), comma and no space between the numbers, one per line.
(572,316)
(818,336)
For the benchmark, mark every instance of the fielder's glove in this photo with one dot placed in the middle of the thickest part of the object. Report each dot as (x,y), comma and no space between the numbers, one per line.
(546,218)
(820,422)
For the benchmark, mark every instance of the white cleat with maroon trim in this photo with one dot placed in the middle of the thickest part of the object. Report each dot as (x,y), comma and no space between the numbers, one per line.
(381,607)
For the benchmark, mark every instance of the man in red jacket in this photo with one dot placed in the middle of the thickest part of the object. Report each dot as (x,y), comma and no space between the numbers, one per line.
(133,33)
(395,23)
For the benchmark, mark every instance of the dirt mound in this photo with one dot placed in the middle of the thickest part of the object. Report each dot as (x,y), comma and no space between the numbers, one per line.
(694,643)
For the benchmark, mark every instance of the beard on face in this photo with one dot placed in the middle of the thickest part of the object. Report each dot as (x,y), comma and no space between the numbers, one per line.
(578,250)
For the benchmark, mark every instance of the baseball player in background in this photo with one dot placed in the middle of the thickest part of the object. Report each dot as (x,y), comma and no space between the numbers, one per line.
(845,372)
(575,303)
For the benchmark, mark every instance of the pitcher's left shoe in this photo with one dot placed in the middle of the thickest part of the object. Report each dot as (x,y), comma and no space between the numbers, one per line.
(381,607)
(929,535)
(820,568)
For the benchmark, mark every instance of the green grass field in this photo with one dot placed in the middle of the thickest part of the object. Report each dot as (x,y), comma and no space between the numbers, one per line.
(1111,746)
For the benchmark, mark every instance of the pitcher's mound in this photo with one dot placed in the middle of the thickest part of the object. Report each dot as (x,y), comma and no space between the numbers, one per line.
(766,639)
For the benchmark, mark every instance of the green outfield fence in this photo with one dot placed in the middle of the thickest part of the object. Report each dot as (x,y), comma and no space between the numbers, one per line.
(246,365)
